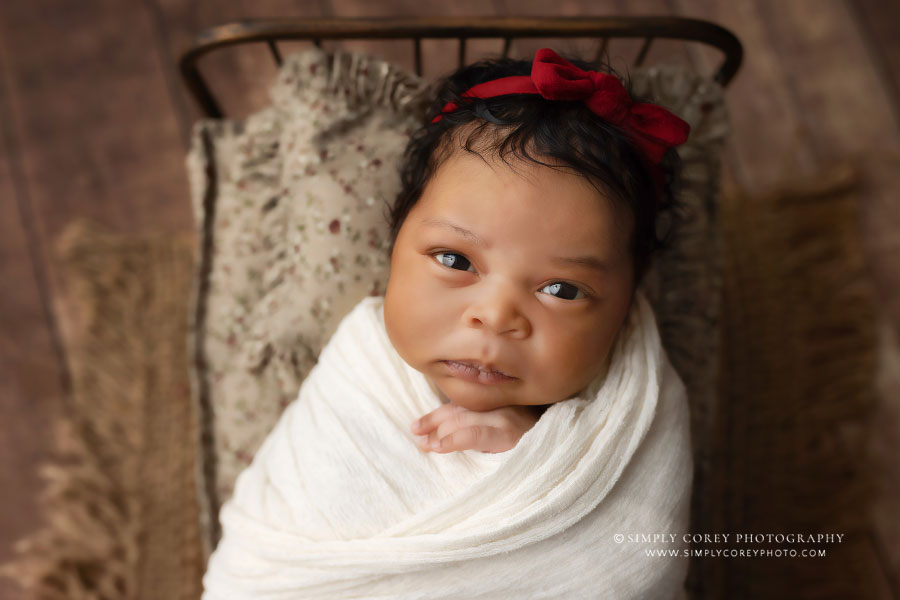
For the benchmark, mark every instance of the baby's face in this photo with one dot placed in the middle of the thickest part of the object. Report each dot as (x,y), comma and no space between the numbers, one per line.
(479,274)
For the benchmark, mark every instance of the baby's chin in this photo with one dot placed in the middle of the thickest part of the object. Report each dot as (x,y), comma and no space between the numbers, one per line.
(479,397)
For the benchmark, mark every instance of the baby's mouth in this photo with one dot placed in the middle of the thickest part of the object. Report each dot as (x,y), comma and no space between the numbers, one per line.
(471,368)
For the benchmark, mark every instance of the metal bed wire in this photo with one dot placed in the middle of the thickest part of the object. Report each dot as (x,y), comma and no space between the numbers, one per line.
(272,31)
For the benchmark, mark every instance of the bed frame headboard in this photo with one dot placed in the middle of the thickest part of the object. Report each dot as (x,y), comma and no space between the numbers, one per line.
(271,31)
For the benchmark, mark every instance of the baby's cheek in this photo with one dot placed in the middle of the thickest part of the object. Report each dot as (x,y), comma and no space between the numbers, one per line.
(397,327)
(567,371)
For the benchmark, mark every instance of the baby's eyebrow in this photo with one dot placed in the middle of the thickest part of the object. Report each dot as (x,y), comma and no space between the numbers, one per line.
(469,235)
(592,262)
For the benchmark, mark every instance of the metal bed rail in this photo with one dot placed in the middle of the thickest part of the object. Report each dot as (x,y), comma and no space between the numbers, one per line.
(271,31)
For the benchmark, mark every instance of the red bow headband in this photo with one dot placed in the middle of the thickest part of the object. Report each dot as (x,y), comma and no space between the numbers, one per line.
(651,128)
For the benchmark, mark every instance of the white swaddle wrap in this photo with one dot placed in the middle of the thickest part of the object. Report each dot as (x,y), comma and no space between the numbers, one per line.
(340,503)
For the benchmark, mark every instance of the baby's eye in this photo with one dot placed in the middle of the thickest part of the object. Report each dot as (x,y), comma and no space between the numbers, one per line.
(453,260)
(565,291)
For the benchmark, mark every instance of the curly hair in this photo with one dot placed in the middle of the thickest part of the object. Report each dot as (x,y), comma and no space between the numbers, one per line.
(531,128)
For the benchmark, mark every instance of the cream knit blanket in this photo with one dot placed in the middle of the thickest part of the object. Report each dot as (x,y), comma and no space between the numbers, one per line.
(340,503)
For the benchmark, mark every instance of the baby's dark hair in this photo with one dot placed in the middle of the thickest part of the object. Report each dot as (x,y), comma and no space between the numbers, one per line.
(529,127)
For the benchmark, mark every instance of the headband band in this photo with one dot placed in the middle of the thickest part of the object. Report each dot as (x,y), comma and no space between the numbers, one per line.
(651,128)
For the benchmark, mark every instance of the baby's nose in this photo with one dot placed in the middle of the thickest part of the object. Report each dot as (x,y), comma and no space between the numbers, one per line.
(499,313)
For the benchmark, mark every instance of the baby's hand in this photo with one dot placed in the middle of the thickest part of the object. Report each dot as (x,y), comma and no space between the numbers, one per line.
(452,427)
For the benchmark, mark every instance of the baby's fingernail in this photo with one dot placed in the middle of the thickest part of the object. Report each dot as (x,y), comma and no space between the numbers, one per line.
(436,444)
(421,440)
(416,424)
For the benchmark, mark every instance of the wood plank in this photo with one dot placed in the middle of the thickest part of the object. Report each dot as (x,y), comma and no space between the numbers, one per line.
(842,121)
(176,22)
(95,121)
(94,136)
(761,157)
(813,59)
(839,119)
(884,440)
(32,374)
(98,136)
(879,23)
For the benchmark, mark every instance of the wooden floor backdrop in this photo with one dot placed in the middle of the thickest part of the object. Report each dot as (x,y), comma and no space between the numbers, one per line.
(94,122)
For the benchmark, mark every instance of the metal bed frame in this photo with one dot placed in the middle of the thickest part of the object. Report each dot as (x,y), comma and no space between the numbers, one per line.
(271,31)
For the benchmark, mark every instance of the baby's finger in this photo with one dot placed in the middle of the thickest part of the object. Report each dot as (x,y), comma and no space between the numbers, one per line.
(478,437)
(432,420)
(464,419)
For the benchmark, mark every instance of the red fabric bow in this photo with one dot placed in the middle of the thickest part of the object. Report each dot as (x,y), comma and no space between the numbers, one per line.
(652,128)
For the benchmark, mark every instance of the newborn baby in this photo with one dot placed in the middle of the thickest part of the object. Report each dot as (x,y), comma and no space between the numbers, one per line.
(525,224)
